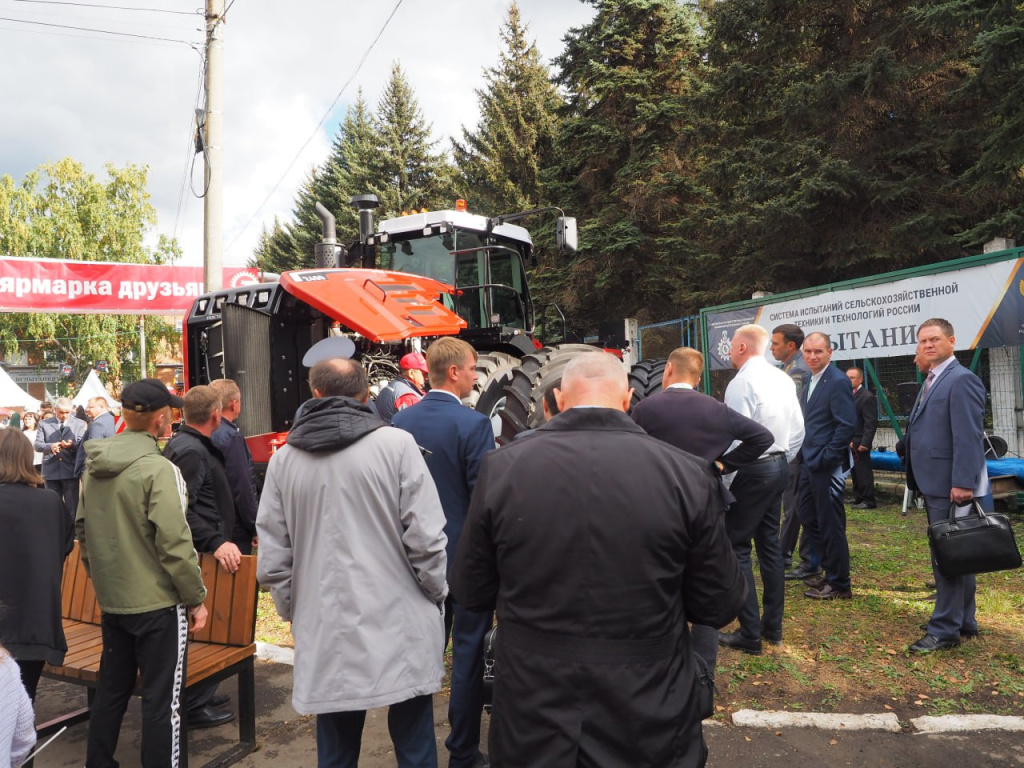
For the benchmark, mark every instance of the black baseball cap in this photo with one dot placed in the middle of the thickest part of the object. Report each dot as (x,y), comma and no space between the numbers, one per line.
(148,395)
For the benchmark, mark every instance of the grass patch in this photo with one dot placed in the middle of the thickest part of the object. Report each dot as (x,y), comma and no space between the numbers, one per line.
(852,656)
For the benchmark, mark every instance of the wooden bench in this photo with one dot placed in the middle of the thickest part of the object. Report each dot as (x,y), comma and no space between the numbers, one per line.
(225,646)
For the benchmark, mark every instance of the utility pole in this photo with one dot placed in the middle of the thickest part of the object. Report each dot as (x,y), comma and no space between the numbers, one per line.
(213,201)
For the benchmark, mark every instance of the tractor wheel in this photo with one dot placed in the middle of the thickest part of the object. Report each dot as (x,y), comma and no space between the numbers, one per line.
(523,409)
(493,374)
(645,379)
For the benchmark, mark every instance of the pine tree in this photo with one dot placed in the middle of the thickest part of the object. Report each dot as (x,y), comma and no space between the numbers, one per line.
(622,165)
(501,161)
(404,171)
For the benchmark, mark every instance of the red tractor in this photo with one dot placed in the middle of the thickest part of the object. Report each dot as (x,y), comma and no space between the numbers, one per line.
(415,278)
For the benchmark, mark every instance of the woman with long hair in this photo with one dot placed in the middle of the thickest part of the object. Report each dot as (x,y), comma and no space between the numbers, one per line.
(37,537)
(29,422)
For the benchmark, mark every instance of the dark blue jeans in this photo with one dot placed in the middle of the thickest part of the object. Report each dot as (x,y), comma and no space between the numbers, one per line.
(754,520)
(410,723)
(465,707)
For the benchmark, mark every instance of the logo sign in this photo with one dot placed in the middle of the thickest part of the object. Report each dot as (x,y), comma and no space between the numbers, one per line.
(102,366)
(66,371)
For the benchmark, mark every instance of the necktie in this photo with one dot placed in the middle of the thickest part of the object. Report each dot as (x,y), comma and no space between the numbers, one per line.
(929,381)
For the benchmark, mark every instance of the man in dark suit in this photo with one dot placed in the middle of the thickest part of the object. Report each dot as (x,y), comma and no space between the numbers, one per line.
(829,421)
(787,340)
(597,543)
(58,438)
(726,439)
(457,438)
(946,464)
(863,435)
(238,464)
(102,425)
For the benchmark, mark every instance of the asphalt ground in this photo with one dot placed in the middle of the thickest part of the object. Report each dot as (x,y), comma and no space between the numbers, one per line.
(288,739)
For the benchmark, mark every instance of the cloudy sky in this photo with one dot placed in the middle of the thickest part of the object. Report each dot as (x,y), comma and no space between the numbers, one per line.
(101,98)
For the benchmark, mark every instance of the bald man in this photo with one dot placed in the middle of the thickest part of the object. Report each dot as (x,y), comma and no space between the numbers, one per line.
(595,567)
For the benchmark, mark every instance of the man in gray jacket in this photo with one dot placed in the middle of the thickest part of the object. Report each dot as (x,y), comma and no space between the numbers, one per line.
(352,547)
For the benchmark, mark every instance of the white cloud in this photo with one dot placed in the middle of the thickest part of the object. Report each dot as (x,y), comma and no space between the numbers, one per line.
(102,99)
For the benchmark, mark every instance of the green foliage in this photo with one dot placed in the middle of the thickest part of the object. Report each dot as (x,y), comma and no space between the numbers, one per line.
(501,162)
(389,154)
(60,211)
(622,166)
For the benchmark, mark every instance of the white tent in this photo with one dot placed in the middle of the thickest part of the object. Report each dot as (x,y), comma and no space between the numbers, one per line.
(13,396)
(93,387)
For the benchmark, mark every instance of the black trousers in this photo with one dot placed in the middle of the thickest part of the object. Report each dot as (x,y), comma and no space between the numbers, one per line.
(153,645)
(863,479)
(753,521)
(791,530)
(31,671)
(823,515)
(68,492)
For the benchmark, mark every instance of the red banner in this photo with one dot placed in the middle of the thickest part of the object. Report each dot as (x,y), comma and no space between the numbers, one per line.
(87,287)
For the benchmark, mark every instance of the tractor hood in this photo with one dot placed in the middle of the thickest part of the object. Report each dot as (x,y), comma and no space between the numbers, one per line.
(383,306)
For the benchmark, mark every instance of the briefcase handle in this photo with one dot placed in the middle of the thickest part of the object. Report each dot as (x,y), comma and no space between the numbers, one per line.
(953,507)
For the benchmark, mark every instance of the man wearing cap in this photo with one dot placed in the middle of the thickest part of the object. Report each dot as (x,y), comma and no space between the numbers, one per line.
(136,546)
(406,390)
(210,514)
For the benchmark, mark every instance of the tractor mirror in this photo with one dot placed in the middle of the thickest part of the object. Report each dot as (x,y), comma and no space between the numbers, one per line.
(565,234)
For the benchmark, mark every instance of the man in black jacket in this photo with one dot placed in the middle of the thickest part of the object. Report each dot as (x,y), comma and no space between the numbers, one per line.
(863,435)
(595,567)
(210,515)
(237,463)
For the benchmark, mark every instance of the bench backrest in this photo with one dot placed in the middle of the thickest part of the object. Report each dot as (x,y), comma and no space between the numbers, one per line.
(230,599)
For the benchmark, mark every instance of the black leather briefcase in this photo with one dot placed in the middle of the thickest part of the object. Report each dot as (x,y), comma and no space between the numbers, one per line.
(976,543)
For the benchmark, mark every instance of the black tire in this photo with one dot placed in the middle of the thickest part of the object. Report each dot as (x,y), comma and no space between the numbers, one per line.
(523,409)
(493,373)
(645,379)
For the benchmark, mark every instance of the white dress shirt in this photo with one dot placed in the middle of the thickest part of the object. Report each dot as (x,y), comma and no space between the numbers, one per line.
(765,394)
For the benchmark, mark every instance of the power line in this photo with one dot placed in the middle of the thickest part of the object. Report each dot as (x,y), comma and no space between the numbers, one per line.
(108,7)
(98,31)
(323,119)
(190,149)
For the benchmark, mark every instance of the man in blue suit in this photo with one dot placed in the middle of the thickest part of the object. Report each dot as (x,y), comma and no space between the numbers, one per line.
(101,426)
(457,438)
(829,421)
(946,464)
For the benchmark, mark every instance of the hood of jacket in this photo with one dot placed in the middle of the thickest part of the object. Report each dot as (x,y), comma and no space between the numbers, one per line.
(111,457)
(333,423)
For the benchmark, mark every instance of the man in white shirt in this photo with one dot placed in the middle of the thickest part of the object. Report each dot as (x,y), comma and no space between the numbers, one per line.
(766,395)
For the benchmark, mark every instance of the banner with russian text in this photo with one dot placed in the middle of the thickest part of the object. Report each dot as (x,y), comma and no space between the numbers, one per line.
(985,304)
(86,287)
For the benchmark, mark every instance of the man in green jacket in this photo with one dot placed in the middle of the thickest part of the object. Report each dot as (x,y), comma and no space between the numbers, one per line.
(136,545)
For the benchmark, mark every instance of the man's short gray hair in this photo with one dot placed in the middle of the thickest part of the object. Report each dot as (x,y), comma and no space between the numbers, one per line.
(594,365)
(756,336)
(64,404)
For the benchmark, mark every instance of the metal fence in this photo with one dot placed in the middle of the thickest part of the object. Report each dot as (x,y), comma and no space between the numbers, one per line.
(656,341)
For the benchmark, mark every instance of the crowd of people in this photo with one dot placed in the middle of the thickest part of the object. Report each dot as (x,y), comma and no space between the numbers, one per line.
(611,546)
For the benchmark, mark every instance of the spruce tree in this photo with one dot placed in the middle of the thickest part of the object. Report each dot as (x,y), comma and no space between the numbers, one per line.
(501,161)
(620,161)
(405,171)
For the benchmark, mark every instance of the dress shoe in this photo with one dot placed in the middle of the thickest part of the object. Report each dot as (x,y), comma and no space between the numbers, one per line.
(208,717)
(828,593)
(863,505)
(930,644)
(481,761)
(930,585)
(772,636)
(219,699)
(816,582)
(740,643)
(799,574)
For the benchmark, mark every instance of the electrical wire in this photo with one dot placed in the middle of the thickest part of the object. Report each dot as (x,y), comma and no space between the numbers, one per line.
(190,149)
(98,31)
(109,7)
(323,119)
